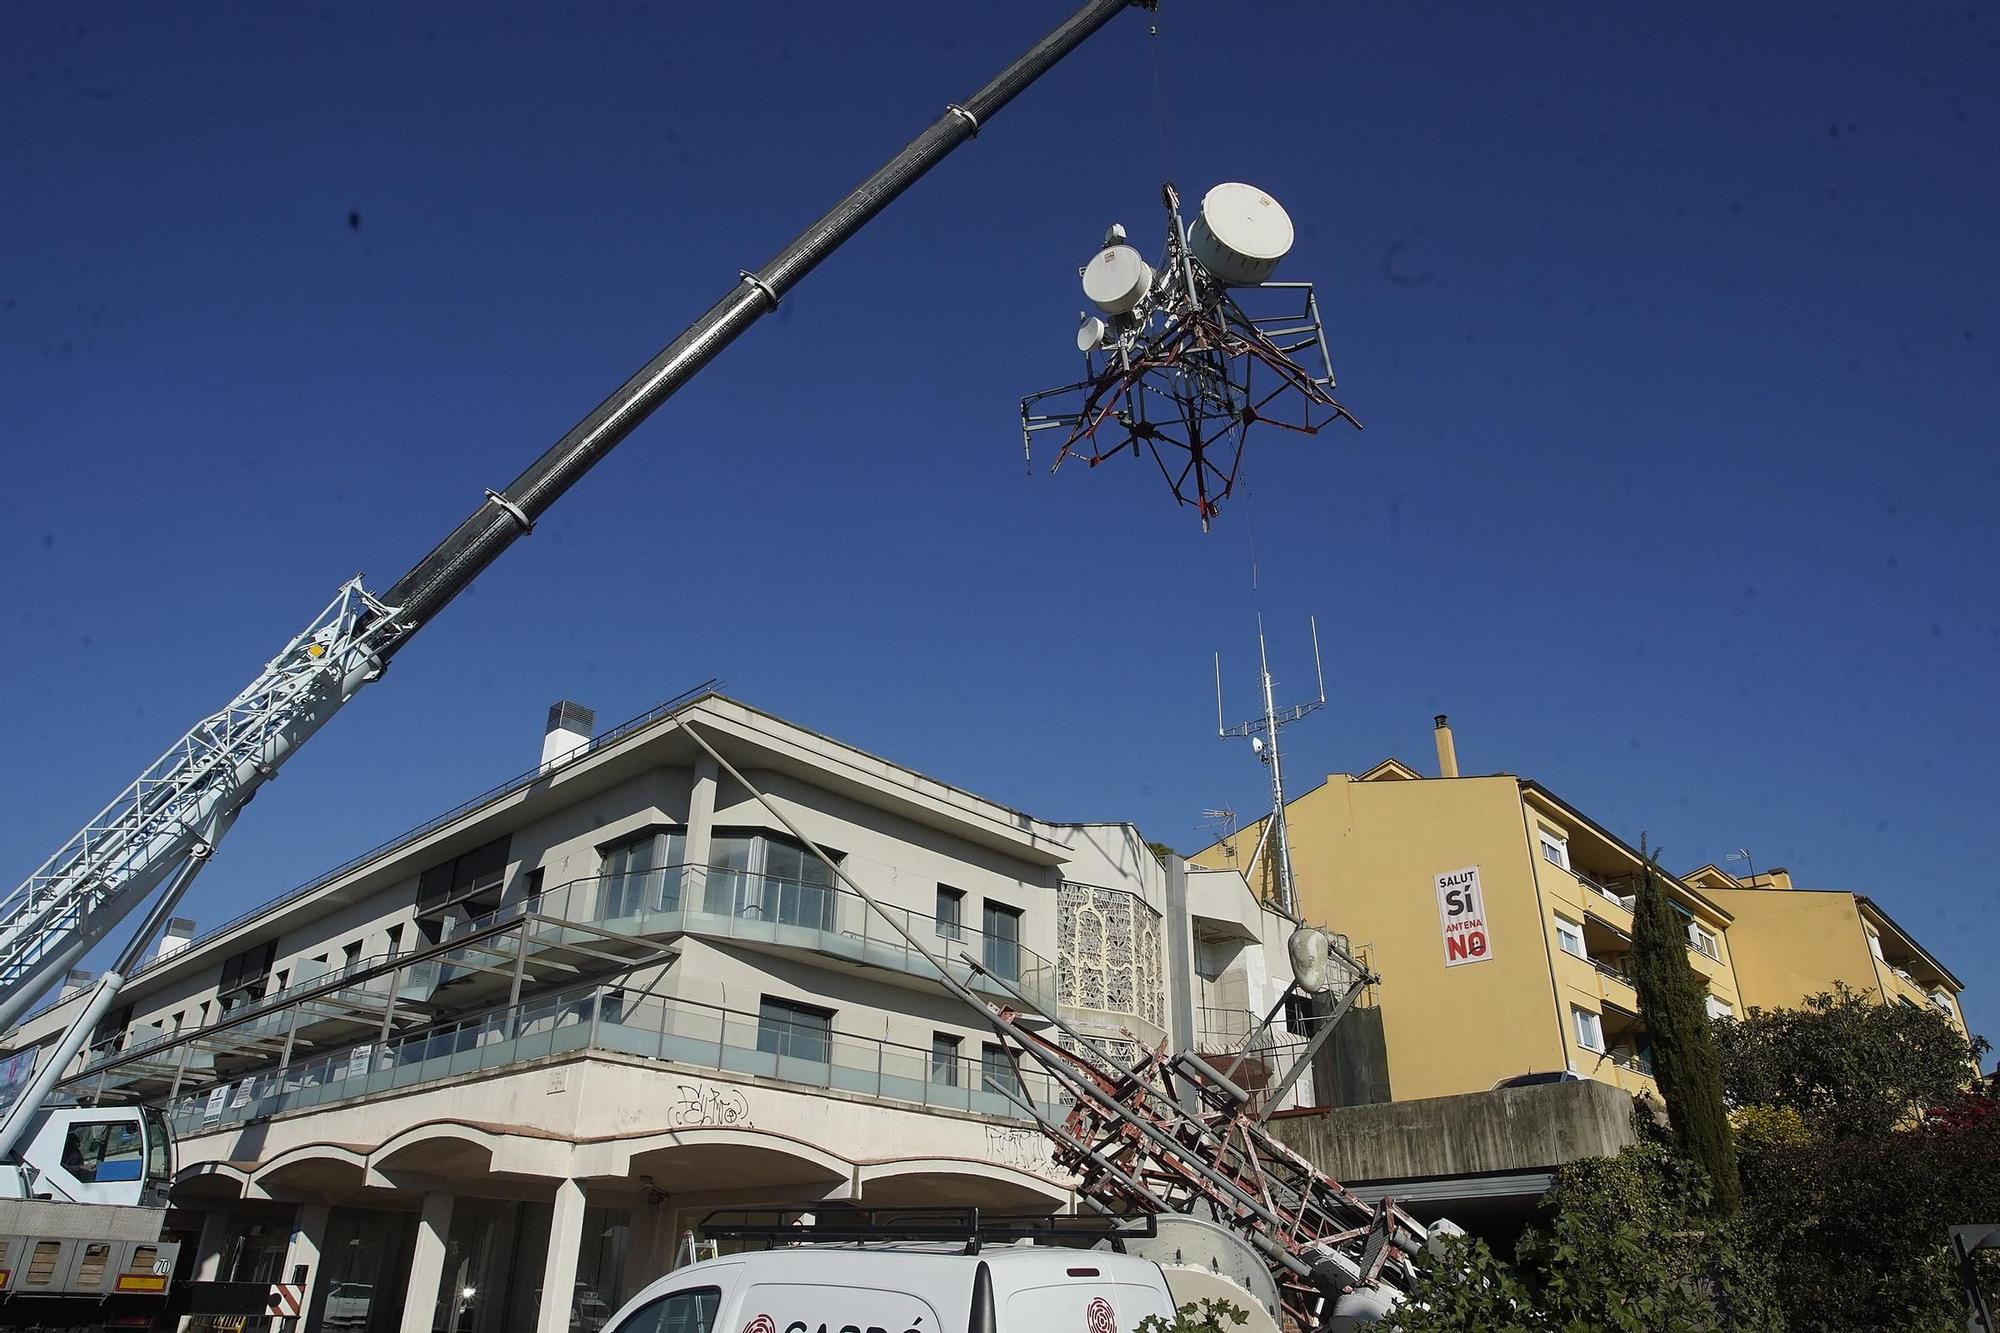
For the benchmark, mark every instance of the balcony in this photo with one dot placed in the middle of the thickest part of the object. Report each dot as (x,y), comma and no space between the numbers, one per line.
(598,924)
(770,913)
(1614,981)
(609,1018)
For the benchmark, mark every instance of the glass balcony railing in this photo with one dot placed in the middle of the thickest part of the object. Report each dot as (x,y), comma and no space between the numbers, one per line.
(709,901)
(724,903)
(609,1018)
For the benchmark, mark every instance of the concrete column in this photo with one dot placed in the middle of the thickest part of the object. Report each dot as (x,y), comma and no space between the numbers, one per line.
(308,1238)
(209,1249)
(640,1264)
(559,1271)
(700,830)
(208,1252)
(427,1263)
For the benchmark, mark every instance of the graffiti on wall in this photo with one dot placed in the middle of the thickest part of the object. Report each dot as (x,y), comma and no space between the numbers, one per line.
(705,1105)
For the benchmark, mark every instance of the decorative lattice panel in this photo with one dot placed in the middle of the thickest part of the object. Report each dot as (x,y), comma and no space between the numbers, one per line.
(1109,953)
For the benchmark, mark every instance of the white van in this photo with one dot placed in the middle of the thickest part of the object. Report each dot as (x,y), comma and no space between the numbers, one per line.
(901,1285)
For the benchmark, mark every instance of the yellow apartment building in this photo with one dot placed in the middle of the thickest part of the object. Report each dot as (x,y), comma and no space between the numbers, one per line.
(1498,915)
(1790,943)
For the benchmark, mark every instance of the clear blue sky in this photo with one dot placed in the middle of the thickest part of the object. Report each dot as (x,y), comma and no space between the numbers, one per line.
(1673,333)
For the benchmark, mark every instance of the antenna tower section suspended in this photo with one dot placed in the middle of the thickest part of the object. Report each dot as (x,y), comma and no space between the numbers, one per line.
(1182,358)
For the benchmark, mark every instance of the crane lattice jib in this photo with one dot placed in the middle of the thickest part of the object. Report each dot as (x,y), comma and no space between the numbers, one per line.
(165,815)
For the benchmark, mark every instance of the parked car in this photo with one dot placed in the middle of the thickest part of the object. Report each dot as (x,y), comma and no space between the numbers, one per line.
(1534,1080)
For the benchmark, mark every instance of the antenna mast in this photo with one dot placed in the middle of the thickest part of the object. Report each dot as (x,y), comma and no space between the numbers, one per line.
(1263,736)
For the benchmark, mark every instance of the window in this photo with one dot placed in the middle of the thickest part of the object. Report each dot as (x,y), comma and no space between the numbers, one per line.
(1718,1008)
(1570,935)
(641,873)
(1943,1001)
(944,1059)
(96,1151)
(1875,944)
(245,976)
(1003,941)
(1702,940)
(473,879)
(798,886)
(1555,849)
(680,1312)
(996,1072)
(950,912)
(797,1031)
(766,877)
(1589,1029)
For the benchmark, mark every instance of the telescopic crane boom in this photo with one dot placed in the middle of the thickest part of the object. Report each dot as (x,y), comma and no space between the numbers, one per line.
(161,828)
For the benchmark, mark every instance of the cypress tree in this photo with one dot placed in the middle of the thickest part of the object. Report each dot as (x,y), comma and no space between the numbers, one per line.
(1684,1059)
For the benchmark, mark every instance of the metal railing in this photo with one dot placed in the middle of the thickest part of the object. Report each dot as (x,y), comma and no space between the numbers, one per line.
(615,1019)
(429,826)
(719,902)
(708,901)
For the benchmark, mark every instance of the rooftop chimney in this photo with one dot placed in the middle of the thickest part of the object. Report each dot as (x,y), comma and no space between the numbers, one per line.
(569,729)
(77,979)
(1447,752)
(176,936)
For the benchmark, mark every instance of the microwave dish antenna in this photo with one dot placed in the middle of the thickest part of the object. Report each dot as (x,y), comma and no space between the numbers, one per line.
(1183,357)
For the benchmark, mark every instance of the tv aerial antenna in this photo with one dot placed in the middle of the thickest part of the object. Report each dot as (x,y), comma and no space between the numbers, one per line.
(1262,732)
(1181,359)
(1222,818)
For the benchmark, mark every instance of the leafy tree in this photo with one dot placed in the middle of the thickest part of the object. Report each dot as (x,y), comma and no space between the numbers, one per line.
(1858,1229)
(1864,1138)
(1848,1065)
(1204,1316)
(1161,851)
(1466,1287)
(1627,1244)
(1671,997)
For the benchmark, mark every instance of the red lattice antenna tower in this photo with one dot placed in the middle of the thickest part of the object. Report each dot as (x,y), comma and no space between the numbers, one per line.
(1183,359)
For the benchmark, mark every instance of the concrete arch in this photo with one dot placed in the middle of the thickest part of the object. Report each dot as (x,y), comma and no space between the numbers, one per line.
(956,1180)
(312,1167)
(459,1150)
(715,1160)
(210,1180)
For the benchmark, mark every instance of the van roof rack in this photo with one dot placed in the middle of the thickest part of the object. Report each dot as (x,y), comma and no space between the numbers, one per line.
(951,1225)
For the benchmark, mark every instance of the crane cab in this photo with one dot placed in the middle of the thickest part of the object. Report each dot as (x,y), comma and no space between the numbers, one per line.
(96,1154)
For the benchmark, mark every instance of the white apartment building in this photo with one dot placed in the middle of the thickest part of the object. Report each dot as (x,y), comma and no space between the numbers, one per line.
(486,1077)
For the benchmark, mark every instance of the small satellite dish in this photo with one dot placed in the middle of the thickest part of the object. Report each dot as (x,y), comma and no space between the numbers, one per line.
(1241,234)
(1116,279)
(1089,334)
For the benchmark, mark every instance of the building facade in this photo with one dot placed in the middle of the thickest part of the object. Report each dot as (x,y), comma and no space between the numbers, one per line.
(1792,943)
(491,1075)
(1541,985)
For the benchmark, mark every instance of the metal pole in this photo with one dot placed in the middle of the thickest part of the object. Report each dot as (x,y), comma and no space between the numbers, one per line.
(1276,1095)
(22,1113)
(507,515)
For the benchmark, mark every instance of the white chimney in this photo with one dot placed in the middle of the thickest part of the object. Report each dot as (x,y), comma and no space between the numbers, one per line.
(570,725)
(176,936)
(75,981)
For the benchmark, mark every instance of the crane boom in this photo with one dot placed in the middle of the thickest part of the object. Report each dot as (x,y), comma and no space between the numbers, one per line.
(174,809)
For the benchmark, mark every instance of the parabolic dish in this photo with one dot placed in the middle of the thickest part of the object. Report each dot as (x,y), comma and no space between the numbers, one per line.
(1241,234)
(1116,279)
